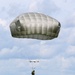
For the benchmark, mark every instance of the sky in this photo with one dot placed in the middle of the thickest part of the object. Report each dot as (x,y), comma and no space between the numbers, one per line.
(56,57)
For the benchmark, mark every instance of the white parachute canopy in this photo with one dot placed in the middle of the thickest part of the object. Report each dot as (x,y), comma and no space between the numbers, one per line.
(35,26)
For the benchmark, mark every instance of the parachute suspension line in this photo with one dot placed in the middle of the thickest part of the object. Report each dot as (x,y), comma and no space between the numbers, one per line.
(33,65)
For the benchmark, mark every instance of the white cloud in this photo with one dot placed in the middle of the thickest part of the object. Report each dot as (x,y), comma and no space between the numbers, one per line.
(33,51)
(68,65)
(68,5)
(71,36)
(65,63)
(19,66)
(39,6)
(71,20)
(60,52)
(14,66)
(3,23)
(66,9)
(34,5)
(71,50)
(8,53)
(45,51)
(67,35)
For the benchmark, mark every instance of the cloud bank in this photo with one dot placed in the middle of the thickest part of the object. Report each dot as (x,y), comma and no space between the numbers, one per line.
(56,56)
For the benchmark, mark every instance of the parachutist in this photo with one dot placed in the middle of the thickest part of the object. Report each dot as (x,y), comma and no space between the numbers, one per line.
(33,72)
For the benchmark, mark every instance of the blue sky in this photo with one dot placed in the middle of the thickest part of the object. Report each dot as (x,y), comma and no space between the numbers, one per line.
(57,56)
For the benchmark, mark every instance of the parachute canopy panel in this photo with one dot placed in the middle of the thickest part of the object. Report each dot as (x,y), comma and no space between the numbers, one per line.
(35,26)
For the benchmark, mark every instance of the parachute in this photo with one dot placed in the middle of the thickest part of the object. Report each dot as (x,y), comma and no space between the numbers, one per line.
(35,26)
